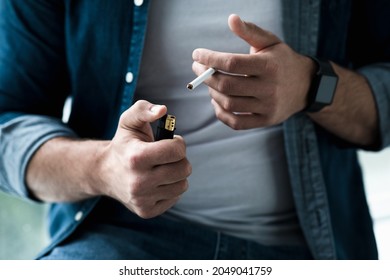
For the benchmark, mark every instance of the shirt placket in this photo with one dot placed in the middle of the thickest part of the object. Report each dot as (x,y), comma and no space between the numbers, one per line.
(139,23)
(301,29)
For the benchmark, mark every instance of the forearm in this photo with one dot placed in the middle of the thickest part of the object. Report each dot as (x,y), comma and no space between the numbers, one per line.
(353,114)
(21,137)
(64,170)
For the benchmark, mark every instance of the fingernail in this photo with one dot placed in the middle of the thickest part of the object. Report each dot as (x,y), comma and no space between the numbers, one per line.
(195,55)
(155,108)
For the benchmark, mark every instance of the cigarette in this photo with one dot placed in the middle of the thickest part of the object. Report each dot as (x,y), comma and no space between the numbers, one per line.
(205,75)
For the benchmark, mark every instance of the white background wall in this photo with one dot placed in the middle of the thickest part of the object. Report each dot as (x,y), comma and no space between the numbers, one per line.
(376,170)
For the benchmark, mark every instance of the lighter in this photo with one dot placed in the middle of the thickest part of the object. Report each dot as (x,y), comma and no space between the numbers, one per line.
(166,127)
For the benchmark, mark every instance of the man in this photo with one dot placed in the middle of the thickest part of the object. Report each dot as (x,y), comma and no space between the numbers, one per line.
(279,180)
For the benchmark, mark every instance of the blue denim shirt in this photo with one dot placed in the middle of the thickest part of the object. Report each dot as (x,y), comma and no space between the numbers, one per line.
(51,49)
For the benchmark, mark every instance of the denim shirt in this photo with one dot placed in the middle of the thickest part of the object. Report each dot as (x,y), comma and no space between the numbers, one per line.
(92,50)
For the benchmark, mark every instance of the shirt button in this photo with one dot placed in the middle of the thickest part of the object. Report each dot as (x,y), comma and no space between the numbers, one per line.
(78,216)
(138,2)
(129,77)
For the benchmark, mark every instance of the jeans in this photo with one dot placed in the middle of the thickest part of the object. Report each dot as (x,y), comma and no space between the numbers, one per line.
(112,232)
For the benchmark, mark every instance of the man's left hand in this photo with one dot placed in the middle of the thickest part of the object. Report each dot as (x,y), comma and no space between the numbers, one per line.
(268,85)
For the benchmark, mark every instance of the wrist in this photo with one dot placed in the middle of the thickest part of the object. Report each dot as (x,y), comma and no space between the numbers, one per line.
(96,169)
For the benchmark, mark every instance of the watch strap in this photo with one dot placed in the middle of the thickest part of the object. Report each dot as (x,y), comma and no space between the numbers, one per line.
(323,86)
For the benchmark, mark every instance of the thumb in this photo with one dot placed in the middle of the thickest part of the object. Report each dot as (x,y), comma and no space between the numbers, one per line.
(255,36)
(140,114)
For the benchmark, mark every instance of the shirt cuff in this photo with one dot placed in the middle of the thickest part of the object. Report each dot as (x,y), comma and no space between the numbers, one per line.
(378,76)
(20,139)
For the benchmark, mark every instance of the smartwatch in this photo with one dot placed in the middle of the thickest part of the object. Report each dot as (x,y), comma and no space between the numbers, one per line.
(323,86)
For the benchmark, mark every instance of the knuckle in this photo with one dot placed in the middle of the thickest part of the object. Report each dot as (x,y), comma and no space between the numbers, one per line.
(122,117)
(185,186)
(180,188)
(235,124)
(196,68)
(137,203)
(137,185)
(188,169)
(135,158)
(206,58)
(180,150)
(224,85)
(143,208)
(219,114)
(271,67)
(231,64)
(145,214)
(140,103)
(228,104)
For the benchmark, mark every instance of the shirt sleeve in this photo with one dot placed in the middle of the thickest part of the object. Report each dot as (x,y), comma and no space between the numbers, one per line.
(20,138)
(378,77)
(34,76)
(34,84)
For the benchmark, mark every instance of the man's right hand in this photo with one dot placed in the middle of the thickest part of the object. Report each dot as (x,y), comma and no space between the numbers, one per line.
(147,177)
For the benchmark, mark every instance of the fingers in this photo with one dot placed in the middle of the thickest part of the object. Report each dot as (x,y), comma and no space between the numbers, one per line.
(239,121)
(153,190)
(156,209)
(251,33)
(140,113)
(147,155)
(162,173)
(234,95)
(147,176)
(244,64)
(151,202)
(230,84)
(260,88)
(173,172)
(236,103)
(258,38)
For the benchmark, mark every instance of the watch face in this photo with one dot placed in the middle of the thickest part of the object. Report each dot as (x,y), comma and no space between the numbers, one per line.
(326,89)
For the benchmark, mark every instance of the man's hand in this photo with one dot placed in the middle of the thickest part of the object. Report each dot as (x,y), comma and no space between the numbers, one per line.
(147,177)
(273,82)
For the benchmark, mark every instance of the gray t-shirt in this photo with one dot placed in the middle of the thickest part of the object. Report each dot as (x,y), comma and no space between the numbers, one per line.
(240,184)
